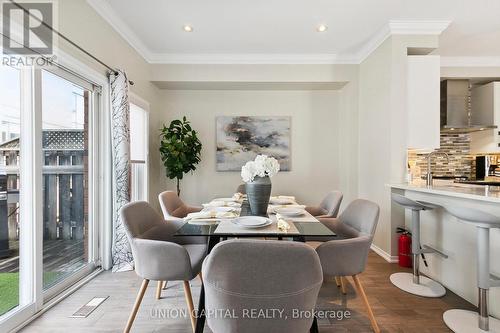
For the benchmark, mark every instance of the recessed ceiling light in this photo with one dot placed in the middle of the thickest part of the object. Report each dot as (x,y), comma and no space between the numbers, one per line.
(322,28)
(187,28)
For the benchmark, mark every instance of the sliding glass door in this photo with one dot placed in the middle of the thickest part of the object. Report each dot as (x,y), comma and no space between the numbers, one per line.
(10,130)
(65,172)
(49,121)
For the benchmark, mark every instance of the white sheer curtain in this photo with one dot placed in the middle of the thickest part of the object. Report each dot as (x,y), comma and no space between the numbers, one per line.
(120,140)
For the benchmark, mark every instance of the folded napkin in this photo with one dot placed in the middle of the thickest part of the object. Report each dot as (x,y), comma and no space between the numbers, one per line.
(221,203)
(273,207)
(239,196)
(210,215)
(282,224)
(221,209)
(291,197)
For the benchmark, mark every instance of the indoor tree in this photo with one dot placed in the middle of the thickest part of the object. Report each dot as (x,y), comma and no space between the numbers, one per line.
(180,149)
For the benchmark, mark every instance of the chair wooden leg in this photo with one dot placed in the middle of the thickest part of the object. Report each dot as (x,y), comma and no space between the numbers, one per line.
(361,292)
(164,285)
(337,281)
(137,303)
(189,301)
(342,284)
(158,289)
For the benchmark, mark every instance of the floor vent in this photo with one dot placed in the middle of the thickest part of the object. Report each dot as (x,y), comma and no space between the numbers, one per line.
(88,308)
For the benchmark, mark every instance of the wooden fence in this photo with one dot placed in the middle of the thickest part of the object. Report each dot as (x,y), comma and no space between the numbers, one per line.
(64,193)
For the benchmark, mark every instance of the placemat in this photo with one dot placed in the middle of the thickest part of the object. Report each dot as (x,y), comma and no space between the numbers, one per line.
(228,227)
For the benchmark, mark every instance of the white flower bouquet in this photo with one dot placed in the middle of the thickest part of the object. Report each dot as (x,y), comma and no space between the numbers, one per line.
(262,166)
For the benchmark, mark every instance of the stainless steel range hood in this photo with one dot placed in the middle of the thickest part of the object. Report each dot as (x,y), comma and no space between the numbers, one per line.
(457,108)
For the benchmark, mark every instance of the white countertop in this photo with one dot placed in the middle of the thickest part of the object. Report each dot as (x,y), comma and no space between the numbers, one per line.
(448,188)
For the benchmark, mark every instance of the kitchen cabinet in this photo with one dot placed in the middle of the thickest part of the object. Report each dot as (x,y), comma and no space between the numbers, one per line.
(486,110)
(423,102)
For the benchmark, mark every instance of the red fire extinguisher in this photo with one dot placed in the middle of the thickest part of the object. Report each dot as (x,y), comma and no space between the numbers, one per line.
(404,248)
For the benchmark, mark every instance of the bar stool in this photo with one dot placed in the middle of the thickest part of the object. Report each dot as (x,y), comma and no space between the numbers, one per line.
(469,321)
(415,283)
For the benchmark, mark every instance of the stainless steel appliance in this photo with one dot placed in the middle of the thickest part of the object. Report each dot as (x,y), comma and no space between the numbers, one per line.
(461,111)
(485,166)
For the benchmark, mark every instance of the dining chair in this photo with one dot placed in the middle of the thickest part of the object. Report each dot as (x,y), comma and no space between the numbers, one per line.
(156,256)
(174,210)
(347,257)
(173,207)
(241,189)
(244,274)
(329,206)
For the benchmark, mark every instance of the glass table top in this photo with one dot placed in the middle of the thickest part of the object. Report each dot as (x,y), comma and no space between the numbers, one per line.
(306,229)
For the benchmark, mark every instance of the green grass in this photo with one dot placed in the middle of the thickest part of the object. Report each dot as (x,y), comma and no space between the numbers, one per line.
(9,291)
(9,288)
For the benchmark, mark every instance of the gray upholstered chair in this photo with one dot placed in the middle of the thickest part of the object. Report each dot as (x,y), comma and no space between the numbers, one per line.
(241,189)
(347,257)
(174,210)
(329,206)
(244,274)
(156,256)
(173,207)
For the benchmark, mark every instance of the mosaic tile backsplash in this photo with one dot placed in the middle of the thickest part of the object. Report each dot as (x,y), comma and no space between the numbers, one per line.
(457,146)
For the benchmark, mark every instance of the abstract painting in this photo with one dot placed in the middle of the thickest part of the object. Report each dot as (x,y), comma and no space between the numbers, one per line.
(240,139)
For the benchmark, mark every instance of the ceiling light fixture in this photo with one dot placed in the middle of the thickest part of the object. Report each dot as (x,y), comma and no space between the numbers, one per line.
(187,28)
(322,28)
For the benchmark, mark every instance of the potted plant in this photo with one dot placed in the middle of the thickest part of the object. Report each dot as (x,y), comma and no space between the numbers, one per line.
(256,175)
(180,149)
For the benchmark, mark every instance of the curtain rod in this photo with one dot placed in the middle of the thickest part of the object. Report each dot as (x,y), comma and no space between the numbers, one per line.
(102,63)
(51,61)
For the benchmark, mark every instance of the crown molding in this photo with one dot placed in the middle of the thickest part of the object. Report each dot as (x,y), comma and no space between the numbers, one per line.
(414,27)
(407,27)
(249,58)
(109,15)
(400,27)
(470,61)
(373,43)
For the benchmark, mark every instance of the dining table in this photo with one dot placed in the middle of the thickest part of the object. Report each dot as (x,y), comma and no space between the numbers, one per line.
(215,230)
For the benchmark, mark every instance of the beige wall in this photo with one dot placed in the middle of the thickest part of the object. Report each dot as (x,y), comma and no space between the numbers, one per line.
(382,129)
(375,135)
(315,139)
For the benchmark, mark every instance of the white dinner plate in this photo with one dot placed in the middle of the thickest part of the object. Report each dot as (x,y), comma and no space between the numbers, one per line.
(281,201)
(252,221)
(289,211)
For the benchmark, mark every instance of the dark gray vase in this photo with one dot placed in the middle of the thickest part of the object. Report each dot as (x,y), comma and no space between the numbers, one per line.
(258,194)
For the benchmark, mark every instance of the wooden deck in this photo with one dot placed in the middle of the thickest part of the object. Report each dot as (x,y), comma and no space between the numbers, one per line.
(58,256)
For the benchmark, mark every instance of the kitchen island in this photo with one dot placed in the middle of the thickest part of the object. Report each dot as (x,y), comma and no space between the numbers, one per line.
(453,237)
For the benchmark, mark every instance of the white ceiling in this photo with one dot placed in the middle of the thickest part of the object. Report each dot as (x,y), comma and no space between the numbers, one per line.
(284,30)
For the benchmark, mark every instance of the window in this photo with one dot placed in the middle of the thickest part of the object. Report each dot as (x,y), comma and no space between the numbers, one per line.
(138,152)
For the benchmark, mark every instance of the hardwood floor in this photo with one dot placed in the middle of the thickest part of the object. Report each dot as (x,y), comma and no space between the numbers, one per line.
(395,310)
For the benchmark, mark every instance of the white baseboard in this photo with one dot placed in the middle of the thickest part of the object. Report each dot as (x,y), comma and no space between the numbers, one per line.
(387,257)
